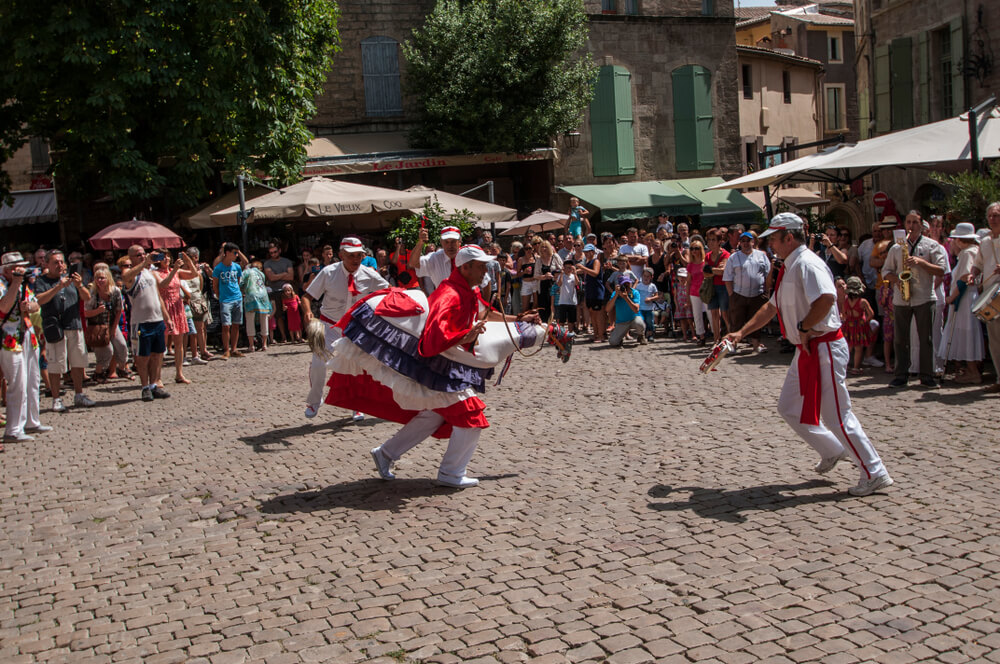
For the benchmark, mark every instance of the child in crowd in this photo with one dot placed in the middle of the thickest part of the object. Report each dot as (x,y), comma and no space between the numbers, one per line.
(290,305)
(857,316)
(566,281)
(648,296)
(683,311)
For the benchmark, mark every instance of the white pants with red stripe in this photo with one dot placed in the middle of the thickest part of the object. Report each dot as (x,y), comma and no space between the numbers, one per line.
(461,445)
(317,369)
(22,375)
(838,428)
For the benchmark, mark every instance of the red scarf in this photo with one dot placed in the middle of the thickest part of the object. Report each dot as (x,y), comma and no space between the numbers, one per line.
(351,288)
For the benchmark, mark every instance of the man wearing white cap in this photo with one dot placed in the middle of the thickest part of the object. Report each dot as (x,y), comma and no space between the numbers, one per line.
(339,285)
(814,399)
(987,268)
(453,319)
(436,266)
(19,351)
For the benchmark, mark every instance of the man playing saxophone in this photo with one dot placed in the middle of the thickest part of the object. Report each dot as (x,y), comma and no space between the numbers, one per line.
(924,259)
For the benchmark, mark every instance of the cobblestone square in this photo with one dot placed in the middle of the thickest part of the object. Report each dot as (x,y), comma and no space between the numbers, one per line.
(631,510)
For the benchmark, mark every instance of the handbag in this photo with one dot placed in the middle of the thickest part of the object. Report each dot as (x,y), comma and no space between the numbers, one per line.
(707,290)
(199,307)
(97,336)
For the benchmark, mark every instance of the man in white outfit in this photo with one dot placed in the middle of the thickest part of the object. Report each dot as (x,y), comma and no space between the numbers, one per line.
(436,266)
(987,268)
(340,285)
(814,399)
(19,352)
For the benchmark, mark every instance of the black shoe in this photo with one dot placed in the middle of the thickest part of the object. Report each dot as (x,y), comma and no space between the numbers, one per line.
(147,394)
(160,393)
(930,382)
(897,382)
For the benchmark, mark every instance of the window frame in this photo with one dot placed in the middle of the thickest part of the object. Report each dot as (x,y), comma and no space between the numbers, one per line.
(841,89)
(370,79)
(786,86)
(746,73)
(831,39)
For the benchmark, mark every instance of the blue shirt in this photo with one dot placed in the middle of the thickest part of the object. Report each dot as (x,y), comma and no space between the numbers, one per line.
(646,290)
(229,282)
(623,312)
(370,262)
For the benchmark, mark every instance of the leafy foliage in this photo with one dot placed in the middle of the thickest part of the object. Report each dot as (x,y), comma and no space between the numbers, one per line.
(148,98)
(434,218)
(499,75)
(968,194)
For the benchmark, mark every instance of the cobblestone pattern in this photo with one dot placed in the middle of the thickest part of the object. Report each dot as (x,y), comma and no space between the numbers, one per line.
(630,511)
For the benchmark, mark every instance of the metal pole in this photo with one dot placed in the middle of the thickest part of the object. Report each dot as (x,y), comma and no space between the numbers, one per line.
(767,203)
(242,214)
(974,140)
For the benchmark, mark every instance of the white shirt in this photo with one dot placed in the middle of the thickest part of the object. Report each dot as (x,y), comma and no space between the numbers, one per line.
(331,285)
(805,279)
(435,266)
(747,272)
(567,288)
(638,250)
(922,288)
(988,258)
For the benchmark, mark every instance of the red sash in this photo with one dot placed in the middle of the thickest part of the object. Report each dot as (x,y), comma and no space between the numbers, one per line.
(809,379)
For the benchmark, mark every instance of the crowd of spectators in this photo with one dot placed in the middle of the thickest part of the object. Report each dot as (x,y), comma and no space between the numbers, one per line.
(136,309)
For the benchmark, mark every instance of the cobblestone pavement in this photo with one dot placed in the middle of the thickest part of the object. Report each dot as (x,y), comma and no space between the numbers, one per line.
(631,510)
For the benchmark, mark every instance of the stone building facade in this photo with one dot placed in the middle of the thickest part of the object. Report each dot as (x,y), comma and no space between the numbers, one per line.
(921,62)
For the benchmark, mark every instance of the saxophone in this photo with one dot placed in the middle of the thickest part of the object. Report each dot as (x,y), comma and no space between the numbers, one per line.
(906,274)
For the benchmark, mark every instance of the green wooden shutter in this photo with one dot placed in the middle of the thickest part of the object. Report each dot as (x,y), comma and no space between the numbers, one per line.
(864,117)
(624,134)
(611,135)
(957,60)
(883,98)
(901,64)
(693,119)
(704,120)
(923,78)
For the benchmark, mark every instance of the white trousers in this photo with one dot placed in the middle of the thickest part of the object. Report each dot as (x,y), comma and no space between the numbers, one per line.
(698,310)
(461,446)
(21,372)
(251,328)
(838,428)
(318,368)
(993,334)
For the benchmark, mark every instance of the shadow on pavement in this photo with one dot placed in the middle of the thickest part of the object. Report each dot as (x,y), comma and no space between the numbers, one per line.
(730,505)
(260,441)
(370,494)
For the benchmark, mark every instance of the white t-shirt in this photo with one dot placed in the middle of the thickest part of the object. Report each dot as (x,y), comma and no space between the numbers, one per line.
(567,288)
(638,250)
(435,266)
(806,277)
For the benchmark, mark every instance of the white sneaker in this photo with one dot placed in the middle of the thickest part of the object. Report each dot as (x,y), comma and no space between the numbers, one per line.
(873,362)
(358,416)
(17,438)
(83,400)
(185,363)
(828,464)
(311,411)
(57,406)
(383,464)
(870,486)
(41,428)
(198,360)
(454,482)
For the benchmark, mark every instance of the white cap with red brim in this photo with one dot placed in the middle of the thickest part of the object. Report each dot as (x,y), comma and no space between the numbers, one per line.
(351,244)
(451,233)
(785,221)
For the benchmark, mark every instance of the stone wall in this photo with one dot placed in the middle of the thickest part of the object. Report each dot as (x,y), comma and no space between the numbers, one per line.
(651,48)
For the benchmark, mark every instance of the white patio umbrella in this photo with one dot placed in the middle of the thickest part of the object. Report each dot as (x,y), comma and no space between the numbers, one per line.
(321,198)
(940,145)
(539,220)
(486,213)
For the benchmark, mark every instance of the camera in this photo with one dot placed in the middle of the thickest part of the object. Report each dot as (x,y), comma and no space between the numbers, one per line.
(159,256)
(546,269)
(73,269)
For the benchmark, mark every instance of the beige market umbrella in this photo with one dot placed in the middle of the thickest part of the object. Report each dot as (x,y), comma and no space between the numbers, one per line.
(486,213)
(538,221)
(201,216)
(320,198)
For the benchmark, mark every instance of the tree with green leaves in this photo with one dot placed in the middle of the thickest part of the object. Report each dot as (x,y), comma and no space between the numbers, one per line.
(434,218)
(968,194)
(148,99)
(499,75)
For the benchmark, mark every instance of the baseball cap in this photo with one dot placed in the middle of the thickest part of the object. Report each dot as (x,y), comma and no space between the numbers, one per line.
(589,247)
(451,233)
(747,234)
(352,244)
(471,252)
(785,221)
(625,278)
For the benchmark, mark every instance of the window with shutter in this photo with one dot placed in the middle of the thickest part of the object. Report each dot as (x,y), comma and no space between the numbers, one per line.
(957,58)
(380,70)
(611,124)
(901,81)
(693,119)
(883,96)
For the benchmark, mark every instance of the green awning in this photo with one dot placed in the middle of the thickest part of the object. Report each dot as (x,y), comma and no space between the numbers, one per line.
(722,206)
(641,200)
(636,200)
